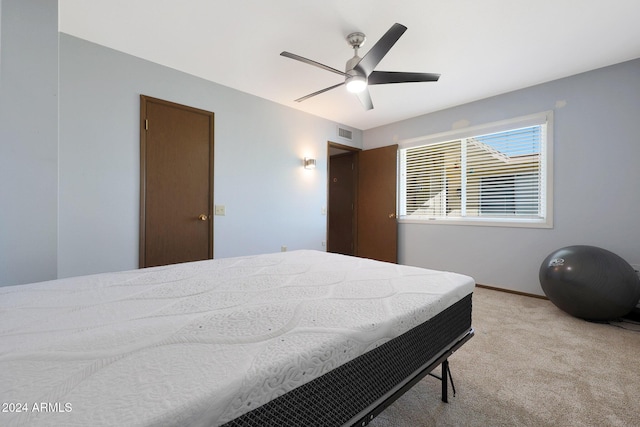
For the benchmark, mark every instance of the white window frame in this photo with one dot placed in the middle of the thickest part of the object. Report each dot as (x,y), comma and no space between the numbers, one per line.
(546,185)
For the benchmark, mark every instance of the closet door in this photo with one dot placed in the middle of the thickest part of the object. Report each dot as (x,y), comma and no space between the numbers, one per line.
(176,183)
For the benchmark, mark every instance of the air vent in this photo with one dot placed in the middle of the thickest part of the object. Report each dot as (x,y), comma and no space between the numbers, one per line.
(345,133)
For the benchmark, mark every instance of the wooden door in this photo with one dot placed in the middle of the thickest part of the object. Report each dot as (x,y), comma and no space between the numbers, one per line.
(377,194)
(342,203)
(176,183)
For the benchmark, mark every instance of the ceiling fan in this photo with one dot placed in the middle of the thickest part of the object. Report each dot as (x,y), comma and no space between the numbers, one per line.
(359,72)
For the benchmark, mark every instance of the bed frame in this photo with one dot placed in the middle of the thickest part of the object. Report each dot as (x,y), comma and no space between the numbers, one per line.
(356,392)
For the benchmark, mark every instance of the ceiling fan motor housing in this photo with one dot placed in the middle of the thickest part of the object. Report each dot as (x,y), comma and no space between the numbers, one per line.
(355,80)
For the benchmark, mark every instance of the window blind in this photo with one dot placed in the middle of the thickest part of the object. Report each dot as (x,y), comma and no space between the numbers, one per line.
(499,175)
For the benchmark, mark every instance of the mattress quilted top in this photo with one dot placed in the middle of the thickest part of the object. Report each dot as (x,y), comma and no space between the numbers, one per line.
(200,343)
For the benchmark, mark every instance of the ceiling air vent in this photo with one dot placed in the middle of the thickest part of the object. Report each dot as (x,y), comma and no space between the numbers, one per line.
(345,133)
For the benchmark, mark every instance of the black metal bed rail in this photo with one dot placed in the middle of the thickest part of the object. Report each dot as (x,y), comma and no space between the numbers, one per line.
(419,375)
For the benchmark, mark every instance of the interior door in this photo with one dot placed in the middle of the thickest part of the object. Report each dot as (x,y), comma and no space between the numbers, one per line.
(176,183)
(377,236)
(342,203)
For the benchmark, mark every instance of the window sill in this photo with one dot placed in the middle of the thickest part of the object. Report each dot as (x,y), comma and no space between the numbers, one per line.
(482,222)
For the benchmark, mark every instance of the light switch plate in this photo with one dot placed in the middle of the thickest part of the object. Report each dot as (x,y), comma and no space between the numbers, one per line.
(219,210)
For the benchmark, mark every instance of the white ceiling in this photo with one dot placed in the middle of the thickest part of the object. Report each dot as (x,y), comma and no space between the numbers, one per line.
(481,47)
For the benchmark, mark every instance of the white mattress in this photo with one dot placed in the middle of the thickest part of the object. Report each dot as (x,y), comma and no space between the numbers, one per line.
(200,343)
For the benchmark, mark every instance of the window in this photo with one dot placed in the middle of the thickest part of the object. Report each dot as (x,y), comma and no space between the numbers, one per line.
(498,174)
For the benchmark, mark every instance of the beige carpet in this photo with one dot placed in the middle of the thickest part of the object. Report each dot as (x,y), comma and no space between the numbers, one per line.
(530,364)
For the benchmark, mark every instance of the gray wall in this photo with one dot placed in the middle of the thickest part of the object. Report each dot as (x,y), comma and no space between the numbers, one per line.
(270,199)
(596,177)
(28,140)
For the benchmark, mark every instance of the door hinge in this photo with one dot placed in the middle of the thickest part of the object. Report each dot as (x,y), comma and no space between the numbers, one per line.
(146,124)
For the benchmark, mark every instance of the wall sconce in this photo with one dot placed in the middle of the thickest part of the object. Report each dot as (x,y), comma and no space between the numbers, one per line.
(309,163)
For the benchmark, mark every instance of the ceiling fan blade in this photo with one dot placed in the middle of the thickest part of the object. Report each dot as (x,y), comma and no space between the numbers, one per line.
(380,49)
(365,99)
(385,77)
(318,92)
(310,62)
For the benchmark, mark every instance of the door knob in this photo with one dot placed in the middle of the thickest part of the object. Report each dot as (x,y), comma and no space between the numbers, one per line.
(392,215)
(203,217)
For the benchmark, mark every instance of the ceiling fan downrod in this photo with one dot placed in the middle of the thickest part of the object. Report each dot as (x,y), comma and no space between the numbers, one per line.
(355,81)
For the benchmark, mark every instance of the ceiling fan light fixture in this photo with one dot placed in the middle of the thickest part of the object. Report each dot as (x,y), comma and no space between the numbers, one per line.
(356,84)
